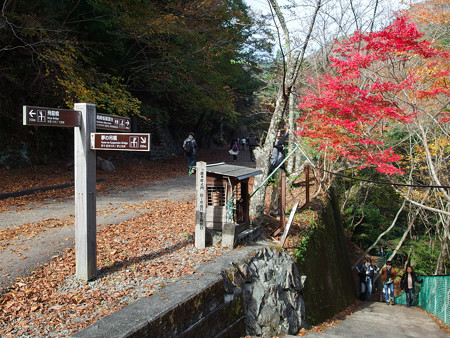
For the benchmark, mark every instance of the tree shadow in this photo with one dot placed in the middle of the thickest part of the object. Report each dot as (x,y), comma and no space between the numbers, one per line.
(119,265)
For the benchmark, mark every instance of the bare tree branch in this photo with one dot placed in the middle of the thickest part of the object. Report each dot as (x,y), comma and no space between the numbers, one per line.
(381,235)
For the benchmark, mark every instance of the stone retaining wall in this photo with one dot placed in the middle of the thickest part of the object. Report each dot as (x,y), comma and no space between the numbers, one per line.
(253,290)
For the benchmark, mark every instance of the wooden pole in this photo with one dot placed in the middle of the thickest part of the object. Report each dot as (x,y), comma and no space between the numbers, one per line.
(283,200)
(307,184)
(200,206)
(288,226)
(85,195)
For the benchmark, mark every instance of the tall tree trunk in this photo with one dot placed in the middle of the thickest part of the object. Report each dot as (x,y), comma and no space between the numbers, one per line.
(291,160)
(292,61)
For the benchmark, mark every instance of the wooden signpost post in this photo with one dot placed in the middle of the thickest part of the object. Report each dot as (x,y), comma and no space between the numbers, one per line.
(85,195)
(85,120)
(200,207)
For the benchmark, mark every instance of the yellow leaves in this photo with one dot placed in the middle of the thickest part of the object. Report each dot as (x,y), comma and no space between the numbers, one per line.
(87,85)
(77,299)
(430,12)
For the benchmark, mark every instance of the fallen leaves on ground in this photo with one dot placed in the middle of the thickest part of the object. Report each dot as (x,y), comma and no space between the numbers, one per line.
(130,172)
(29,230)
(135,258)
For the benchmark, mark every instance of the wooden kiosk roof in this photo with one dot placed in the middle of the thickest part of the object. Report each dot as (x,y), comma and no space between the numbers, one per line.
(236,171)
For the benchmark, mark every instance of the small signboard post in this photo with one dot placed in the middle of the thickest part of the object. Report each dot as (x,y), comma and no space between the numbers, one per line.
(85,120)
(39,116)
(200,207)
(114,123)
(124,141)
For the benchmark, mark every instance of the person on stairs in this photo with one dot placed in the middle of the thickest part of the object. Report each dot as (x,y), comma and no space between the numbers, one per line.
(388,275)
(366,274)
(408,284)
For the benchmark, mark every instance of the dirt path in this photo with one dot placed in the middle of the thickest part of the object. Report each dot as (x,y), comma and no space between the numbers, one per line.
(24,254)
(29,251)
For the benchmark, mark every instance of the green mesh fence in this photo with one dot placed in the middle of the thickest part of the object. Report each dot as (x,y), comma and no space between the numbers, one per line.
(433,296)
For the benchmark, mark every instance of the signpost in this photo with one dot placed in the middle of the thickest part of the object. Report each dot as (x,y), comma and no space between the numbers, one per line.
(85,120)
(39,116)
(85,196)
(122,141)
(200,207)
(114,123)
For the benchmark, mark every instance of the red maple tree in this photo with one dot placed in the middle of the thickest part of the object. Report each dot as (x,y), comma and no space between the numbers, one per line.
(376,82)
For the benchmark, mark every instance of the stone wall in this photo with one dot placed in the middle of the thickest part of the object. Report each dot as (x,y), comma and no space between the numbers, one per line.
(329,288)
(271,284)
(253,290)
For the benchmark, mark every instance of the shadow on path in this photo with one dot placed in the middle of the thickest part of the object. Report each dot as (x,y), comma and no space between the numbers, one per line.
(120,265)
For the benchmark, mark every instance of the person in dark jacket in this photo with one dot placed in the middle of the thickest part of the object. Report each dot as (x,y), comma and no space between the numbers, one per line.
(252,142)
(190,149)
(366,275)
(278,149)
(275,159)
(408,282)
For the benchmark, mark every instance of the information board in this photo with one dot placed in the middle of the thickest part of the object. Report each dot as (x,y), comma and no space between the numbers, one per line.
(112,122)
(40,116)
(120,141)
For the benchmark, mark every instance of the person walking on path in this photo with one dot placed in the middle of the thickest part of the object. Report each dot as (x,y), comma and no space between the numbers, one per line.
(388,275)
(275,159)
(252,143)
(190,149)
(243,142)
(366,274)
(234,149)
(407,283)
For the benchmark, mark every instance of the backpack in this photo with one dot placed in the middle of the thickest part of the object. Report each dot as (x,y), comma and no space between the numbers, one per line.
(235,147)
(275,159)
(252,140)
(189,147)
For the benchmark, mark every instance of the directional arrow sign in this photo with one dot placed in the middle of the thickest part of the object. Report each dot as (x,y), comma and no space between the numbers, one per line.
(114,123)
(120,141)
(39,116)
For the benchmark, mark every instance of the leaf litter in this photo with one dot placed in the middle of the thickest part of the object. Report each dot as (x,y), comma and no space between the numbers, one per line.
(134,258)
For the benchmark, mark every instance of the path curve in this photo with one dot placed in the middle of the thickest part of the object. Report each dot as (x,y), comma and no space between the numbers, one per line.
(380,320)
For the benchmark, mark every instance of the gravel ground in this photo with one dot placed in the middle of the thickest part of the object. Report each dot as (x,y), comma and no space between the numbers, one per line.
(144,241)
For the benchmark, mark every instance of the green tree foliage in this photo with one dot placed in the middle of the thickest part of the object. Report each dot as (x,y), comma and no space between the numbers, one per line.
(170,61)
(369,210)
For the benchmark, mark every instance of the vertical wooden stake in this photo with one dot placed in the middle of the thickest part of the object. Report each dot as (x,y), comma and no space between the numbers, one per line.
(200,207)
(85,195)
(283,200)
(307,184)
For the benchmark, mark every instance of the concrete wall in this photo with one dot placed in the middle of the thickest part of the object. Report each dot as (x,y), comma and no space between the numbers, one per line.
(253,290)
